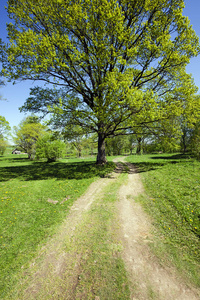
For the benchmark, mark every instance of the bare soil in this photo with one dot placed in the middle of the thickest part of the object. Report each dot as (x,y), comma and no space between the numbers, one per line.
(148,279)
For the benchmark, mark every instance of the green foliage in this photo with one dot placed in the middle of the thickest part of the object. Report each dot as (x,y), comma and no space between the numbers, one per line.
(28,133)
(152,148)
(3,146)
(4,127)
(76,136)
(195,141)
(117,145)
(189,123)
(165,136)
(47,147)
(4,132)
(122,64)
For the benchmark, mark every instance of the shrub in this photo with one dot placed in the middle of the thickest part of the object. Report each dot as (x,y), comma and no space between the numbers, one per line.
(50,149)
(3,146)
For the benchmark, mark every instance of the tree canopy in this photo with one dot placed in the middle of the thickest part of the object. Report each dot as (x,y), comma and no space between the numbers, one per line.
(27,134)
(4,127)
(50,148)
(120,64)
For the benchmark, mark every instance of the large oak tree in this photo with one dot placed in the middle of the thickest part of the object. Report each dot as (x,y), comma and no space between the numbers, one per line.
(124,60)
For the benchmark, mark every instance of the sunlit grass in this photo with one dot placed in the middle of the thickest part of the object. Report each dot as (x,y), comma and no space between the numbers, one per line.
(94,268)
(34,198)
(172,183)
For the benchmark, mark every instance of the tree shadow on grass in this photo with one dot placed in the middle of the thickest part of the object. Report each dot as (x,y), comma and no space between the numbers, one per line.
(58,170)
(178,156)
(153,165)
(16,159)
(147,166)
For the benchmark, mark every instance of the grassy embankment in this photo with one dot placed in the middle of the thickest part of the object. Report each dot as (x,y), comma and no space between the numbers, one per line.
(34,199)
(172,184)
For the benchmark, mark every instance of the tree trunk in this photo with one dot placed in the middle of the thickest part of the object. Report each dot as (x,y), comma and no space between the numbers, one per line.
(184,141)
(101,156)
(79,151)
(139,146)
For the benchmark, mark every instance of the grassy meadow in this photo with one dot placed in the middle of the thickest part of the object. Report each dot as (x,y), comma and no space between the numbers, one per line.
(34,198)
(172,185)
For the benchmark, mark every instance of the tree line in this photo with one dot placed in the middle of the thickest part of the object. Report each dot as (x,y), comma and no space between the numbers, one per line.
(41,141)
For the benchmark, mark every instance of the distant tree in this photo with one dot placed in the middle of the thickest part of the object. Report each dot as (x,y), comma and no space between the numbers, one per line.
(174,133)
(4,128)
(28,133)
(167,135)
(76,136)
(194,140)
(189,123)
(3,146)
(50,148)
(185,139)
(117,145)
(121,59)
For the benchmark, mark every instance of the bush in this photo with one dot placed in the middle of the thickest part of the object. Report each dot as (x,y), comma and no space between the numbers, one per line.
(50,149)
(3,146)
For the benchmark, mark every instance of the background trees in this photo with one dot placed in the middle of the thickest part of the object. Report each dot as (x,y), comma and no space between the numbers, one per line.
(76,136)
(3,146)
(28,133)
(194,144)
(120,63)
(4,128)
(4,132)
(50,148)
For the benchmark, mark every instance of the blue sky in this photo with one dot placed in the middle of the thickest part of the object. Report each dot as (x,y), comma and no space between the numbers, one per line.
(18,93)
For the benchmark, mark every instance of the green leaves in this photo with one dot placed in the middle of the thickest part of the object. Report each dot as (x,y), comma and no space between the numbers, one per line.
(50,148)
(28,133)
(4,127)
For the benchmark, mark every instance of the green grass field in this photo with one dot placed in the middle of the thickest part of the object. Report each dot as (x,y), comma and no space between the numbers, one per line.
(172,184)
(34,198)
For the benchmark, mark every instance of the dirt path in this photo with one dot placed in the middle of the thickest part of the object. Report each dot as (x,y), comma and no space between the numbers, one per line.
(149,280)
(52,261)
